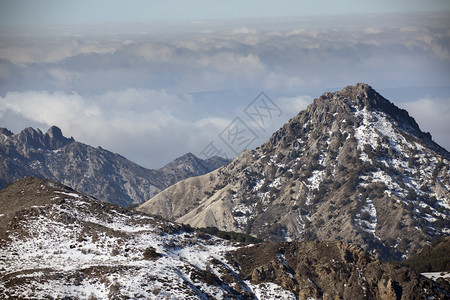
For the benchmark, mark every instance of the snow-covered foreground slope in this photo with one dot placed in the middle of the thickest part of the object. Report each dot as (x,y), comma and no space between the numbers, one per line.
(58,244)
(79,248)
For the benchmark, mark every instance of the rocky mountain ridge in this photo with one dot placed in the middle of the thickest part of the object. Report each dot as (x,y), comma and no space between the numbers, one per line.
(57,243)
(95,171)
(351,167)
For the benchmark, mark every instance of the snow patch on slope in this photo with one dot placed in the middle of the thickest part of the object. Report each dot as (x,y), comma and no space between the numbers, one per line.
(367,218)
(376,125)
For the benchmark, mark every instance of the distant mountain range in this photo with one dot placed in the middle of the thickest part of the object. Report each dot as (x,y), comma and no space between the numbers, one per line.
(94,171)
(56,243)
(351,167)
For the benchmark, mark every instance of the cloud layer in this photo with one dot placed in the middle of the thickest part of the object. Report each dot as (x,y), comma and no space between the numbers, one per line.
(146,123)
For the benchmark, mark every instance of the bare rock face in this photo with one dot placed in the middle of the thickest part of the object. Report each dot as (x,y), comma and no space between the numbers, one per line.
(351,167)
(387,289)
(95,171)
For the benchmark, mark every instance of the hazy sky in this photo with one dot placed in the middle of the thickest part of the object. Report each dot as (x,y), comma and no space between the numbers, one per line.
(152,80)
(20,12)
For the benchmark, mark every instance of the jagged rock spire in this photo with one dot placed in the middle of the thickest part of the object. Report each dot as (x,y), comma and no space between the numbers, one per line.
(55,138)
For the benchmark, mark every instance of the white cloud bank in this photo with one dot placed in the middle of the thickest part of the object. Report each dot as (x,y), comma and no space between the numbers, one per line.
(148,124)
(273,55)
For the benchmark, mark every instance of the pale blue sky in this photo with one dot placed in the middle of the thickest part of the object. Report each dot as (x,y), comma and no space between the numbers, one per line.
(46,12)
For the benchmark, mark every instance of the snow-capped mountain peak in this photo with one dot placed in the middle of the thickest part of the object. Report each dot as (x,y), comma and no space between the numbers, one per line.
(351,167)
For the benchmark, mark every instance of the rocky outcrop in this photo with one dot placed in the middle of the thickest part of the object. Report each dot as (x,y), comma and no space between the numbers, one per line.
(95,171)
(351,167)
(330,270)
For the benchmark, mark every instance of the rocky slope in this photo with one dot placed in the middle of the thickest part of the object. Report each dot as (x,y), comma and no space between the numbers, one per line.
(94,171)
(328,270)
(351,167)
(57,243)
